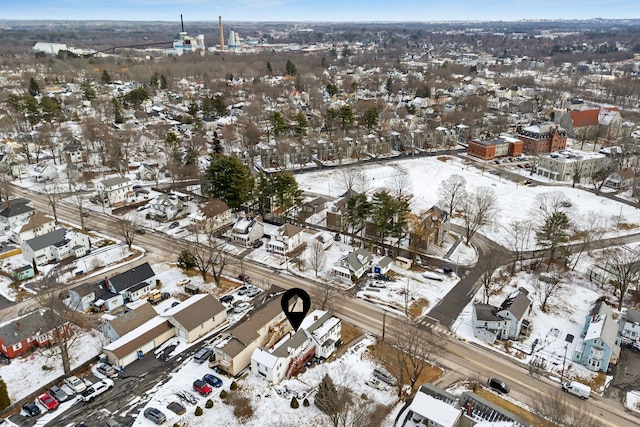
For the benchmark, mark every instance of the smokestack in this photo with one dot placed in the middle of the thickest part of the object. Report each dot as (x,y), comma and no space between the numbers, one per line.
(221,34)
(181,23)
(19,326)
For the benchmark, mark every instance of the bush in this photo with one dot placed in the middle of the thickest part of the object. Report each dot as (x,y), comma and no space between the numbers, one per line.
(209,404)
(223,394)
(198,411)
(46,368)
(363,396)
(305,402)
(234,385)
(294,403)
(176,425)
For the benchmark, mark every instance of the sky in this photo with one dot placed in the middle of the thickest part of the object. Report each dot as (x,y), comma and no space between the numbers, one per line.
(319,10)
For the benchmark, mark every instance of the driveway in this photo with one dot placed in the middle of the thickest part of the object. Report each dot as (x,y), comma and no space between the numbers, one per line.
(626,374)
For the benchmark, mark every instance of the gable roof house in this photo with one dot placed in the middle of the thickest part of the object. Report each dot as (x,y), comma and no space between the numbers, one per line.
(287,239)
(621,179)
(133,283)
(31,330)
(262,327)
(115,191)
(72,153)
(37,225)
(196,316)
(44,172)
(166,208)
(55,246)
(336,211)
(505,322)
(246,231)
(354,264)
(599,345)
(212,216)
(135,344)
(313,206)
(432,230)
(15,210)
(126,322)
(630,328)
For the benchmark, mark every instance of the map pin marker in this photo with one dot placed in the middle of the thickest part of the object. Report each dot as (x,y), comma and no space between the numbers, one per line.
(294,313)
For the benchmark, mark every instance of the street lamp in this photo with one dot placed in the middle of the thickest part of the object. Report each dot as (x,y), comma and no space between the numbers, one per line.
(568,340)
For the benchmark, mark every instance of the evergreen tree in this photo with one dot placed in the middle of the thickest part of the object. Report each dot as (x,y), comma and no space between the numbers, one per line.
(345,114)
(186,261)
(50,108)
(370,118)
(327,396)
(4,395)
(34,87)
(332,89)
(553,233)
(216,146)
(389,86)
(106,78)
(117,111)
(290,69)
(301,124)
(269,69)
(294,403)
(88,93)
(163,81)
(229,180)
(278,123)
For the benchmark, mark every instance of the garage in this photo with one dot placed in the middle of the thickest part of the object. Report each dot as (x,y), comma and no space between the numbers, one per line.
(137,343)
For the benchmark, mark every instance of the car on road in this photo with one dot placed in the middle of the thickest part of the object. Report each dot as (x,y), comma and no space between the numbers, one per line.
(85,214)
(174,224)
(107,370)
(75,383)
(226,299)
(244,278)
(48,401)
(96,389)
(58,394)
(140,231)
(155,415)
(201,387)
(212,380)
(498,385)
(202,355)
(31,409)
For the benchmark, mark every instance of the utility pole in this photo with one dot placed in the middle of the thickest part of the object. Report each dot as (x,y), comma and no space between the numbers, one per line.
(384,322)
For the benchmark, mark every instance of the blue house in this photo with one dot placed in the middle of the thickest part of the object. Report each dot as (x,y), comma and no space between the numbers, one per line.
(599,345)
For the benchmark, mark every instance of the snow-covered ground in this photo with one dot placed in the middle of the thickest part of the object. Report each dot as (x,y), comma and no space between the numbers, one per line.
(632,401)
(271,404)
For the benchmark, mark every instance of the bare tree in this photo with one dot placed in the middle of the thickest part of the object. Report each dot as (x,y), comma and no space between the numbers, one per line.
(353,179)
(209,253)
(126,228)
(400,185)
(547,286)
(490,283)
(480,209)
(53,196)
(555,410)
(452,192)
(418,232)
(590,229)
(518,234)
(325,294)
(623,264)
(317,256)
(59,313)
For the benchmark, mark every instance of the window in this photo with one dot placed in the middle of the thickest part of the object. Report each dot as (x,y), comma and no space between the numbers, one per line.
(17,346)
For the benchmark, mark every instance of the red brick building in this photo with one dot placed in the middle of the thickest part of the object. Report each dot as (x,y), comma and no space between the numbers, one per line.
(32,330)
(543,138)
(489,149)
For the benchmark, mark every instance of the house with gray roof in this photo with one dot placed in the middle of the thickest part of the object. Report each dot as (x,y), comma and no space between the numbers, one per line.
(134,283)
(599,344)
(630,328)
(55,246)
(196,316)
(126,322)
(505,322)
(354,264)
(286,239)
(29,331)
(115,191)
(14,211)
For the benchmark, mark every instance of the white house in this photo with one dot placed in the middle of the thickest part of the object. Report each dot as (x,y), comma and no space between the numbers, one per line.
(287,238)
(13,211)
(504,322)
(246,231)
(212,216)
(630,328)
(196,316)
(134,283)
(166,207)
(354,264)
(115,191)
(55,245)
(37,225)
(44,172)
(72,154)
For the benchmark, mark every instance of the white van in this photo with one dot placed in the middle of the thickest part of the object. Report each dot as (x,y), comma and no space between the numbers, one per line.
(576,388)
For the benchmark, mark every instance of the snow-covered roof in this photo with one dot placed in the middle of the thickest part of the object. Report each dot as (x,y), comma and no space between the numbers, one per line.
(435,410)
(595,327)
(264,358)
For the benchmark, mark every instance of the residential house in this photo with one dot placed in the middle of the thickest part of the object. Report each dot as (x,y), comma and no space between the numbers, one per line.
(570,164)
(263,327)
(166,208)
(134,283)
(621,179)
(82,297)
(212,216)
(55,246)
(246,231)
(489,149)
(108,301)
(630,328)
(37,225)
(543,138)
(147,172)
(383,265)
(599,345)
(313,206)
(13,211)
(505,322)
(44,171)
(196,317)
(32,330)
(355,264)
(318,336)
(336,211)
(23,273)
(286,240)
(115,191)
(603,274)
(72,154)
(432,230)
(126,322)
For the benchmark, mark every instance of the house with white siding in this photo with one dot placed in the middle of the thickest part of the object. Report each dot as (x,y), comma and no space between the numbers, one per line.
(55,246)
(115,191)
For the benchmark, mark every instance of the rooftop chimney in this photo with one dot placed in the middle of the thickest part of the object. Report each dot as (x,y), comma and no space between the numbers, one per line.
(19,326)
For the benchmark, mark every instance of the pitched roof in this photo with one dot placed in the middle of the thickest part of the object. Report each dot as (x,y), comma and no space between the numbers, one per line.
(131,277)
(36,220)
(114,181)
(24,327)
(214,208)
(517,304)
(49,239)
(584,118)
(633,316)
(358,258)
(11,209)
(141,335)
(129,321)
(486,313)
(195,311)
(290,230)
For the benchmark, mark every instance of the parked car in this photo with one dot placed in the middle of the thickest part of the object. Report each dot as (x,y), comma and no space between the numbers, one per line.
(244,278)
(382,277)
(201,387)
(253,292)
(107,370)
(375,383)
(183,282)
(110,422)
(242,290)
(155,415)
(31,409)
(174,224)
(243,306)
(212,380)
(48,401)
(140,231)
(58,394)
(227,299)
(75,383)
(384,376)
(202,355)
(257,244)
(498,385)
(96,390)
(173,304)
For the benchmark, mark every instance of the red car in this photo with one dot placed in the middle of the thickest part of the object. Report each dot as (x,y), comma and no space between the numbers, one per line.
(202,387)
(48,401)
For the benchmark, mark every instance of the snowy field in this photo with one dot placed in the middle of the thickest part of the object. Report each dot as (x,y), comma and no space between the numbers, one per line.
(516,202)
